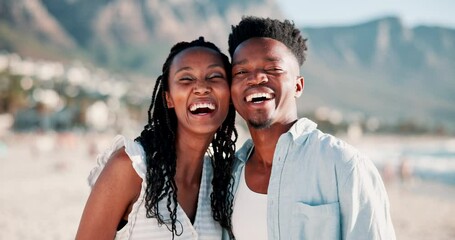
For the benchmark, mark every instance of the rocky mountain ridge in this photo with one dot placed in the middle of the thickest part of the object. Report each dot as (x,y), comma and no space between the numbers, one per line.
(379,68)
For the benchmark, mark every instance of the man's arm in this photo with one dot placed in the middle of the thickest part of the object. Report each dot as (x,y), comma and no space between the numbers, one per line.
(364,204)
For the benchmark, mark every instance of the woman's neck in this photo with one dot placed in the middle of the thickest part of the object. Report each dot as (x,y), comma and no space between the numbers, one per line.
(190,151)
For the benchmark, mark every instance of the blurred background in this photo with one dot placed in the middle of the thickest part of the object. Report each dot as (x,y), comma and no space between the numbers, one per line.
(75,73)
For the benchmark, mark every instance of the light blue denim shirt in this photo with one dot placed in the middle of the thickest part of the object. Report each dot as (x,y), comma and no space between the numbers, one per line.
(321,188)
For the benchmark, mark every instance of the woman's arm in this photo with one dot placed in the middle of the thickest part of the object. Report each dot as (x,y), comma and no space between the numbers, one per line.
(111,198)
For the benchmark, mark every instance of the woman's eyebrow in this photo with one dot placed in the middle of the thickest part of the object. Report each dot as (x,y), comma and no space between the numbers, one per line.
(183,69)
(215,65)
(188,68)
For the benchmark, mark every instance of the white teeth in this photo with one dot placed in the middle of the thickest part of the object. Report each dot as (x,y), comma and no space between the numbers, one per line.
(196,106)
(250,97)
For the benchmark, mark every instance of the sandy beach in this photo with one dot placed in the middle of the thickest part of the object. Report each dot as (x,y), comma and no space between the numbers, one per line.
(43,189)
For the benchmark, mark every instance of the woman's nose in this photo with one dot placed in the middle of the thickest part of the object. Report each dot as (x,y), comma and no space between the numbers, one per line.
(201,87)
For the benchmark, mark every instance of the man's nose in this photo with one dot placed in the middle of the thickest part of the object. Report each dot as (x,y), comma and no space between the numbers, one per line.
(257,77)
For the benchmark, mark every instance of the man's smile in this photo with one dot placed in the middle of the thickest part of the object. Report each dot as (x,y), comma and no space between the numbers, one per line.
(259,97)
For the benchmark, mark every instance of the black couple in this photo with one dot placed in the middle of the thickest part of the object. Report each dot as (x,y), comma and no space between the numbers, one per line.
(182,177)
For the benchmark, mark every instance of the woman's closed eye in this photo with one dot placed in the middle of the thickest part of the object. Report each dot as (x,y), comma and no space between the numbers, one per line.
(215,76)
(186,78)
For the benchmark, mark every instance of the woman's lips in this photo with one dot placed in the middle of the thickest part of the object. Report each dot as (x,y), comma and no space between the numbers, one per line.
(202,107)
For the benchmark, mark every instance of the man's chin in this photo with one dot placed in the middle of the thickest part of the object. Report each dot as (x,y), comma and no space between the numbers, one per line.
(260,124)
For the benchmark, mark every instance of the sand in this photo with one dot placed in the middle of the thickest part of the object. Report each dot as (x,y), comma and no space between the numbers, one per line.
(43,190)
(423,211)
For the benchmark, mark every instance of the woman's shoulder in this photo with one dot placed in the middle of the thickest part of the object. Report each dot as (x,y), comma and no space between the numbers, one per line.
(119,166)
(122,151)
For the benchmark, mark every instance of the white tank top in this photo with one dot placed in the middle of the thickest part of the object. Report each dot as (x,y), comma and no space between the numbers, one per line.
(140,227)
(249,216)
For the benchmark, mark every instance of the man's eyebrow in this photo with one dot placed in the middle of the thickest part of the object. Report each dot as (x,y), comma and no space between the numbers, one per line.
(241,62)
(273,59)
(267,59)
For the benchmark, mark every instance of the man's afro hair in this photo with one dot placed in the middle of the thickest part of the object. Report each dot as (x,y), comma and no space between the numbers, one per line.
(283,31)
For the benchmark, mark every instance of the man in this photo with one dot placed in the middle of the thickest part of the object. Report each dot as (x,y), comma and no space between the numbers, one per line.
(291,180)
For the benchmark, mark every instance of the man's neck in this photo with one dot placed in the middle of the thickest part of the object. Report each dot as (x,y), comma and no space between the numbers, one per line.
(265,141)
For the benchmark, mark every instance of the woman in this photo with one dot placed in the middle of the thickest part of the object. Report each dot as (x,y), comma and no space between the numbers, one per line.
(162,185)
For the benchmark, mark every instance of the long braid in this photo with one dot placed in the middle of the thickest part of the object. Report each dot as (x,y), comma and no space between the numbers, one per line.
(223,146)
(158,140)
(155,89)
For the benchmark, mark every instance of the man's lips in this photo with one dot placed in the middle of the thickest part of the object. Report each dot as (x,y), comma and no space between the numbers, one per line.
(259,97)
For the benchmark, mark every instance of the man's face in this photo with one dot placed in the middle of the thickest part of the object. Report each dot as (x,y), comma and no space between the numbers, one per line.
(265,82)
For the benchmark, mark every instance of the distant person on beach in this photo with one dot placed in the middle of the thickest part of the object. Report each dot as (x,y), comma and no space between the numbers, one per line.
(388,173)
(405,170)
(293,181)
(167,184)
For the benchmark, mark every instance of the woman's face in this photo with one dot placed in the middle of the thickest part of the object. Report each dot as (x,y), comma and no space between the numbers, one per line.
(198,90)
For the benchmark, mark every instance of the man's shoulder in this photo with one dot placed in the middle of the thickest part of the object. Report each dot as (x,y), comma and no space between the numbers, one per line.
(330,147)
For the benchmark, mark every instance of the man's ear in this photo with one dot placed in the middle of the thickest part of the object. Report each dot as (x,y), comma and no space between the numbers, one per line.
(169,102)
(299,86)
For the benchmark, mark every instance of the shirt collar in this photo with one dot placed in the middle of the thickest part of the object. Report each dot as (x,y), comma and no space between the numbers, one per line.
(245,151)
(299,131)
(302,127)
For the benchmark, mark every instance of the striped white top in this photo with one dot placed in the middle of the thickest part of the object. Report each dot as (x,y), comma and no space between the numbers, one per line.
(141,227)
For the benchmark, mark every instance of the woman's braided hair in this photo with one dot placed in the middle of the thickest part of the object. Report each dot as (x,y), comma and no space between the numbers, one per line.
(158,140)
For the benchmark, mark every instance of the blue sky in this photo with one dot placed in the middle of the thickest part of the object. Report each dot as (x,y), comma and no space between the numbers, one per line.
(347,12)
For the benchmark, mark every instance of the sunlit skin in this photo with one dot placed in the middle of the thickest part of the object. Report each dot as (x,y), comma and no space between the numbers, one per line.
(266,82)
(197,81)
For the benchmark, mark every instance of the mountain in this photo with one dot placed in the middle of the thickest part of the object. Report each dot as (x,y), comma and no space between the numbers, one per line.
(27,28)
(383,69)
(124,35)
(379,68)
